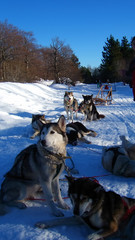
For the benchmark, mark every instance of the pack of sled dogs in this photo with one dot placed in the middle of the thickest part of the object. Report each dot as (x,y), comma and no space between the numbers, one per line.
(86,107)
(76,131)
(38,168)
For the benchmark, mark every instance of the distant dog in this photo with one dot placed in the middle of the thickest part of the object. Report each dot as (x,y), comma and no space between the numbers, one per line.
(38,166)
(77,131)
(38,121)
(120,160)
(92,205)
(88,108)
(70,105)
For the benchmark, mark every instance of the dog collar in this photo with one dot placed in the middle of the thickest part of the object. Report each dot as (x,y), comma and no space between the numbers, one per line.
(129,211)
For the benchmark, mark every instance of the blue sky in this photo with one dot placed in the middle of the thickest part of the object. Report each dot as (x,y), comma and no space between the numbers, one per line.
(84,25)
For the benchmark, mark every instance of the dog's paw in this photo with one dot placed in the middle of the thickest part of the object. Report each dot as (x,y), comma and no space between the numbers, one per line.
(21,205)
(42,225)
(57,213)
(63,205)
(94,236)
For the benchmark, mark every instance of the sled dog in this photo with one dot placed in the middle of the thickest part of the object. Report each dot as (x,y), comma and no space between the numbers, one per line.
(92,205)
(88,108)
(38,120)
(100,209)
(70,105)
(120,160)
(38,167)
(77,131)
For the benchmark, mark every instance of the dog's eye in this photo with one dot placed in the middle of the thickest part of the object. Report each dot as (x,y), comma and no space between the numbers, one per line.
(83,199)
(52,132)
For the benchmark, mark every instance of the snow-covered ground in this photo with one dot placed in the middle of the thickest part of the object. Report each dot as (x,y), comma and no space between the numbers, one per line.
(17,104)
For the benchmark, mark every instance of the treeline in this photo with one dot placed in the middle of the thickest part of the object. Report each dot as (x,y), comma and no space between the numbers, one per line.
(116,58)
(22,60)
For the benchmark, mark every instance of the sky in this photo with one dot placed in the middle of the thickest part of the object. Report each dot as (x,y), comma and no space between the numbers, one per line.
(84,25)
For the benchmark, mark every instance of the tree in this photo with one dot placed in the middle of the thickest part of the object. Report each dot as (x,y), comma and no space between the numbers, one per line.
(111,59)
(86,75)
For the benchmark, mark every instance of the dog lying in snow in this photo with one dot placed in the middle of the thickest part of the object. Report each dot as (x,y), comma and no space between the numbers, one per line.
(120,160)
(102,210)
(38,120)
(77,131)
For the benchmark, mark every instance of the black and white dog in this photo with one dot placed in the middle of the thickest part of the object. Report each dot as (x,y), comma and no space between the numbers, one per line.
(88,108)
(77,131)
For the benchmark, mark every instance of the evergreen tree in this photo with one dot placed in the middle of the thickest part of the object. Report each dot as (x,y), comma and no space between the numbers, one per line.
(111,59)
(86,75)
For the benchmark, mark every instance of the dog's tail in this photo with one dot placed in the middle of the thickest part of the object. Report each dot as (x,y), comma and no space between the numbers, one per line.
(3,207)
(101,116)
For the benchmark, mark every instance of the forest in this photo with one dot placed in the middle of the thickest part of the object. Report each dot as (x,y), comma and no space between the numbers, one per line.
(23,60)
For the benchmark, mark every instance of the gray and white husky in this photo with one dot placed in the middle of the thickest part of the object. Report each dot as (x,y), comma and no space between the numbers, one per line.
(38,167)
(70,104)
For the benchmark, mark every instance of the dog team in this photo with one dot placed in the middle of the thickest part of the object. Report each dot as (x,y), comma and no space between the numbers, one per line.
(38,167)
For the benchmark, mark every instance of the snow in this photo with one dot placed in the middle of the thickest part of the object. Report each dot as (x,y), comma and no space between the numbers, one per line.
(18,103)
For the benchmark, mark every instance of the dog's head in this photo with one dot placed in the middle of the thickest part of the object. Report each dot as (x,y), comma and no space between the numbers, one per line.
(88,99)
(72,135)
(68,97)
(53,136)
(84,194)
(40,117)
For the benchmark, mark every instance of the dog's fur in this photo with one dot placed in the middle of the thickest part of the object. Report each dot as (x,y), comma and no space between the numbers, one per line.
(88,108)
(101,210)
(106,212)
(70,105)
(38,120)
(38,166)
(77,131)
(120,159)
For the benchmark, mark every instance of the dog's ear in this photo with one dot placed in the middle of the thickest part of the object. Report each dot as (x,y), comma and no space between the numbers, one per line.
(70,179)
(79,135)
(62,123)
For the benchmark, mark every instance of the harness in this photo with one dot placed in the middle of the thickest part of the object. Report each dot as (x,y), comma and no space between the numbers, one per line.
(116,154)
(129,211)
(21,163)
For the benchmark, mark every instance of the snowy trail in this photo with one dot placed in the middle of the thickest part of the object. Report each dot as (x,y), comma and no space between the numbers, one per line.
(18,103)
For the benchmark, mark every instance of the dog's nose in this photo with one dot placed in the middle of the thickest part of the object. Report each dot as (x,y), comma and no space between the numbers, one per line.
(43,142)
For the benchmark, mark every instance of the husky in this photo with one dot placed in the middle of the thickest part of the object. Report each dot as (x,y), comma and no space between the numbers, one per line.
(77,131)
(70,105)
(120,160)
(88,108)
(37,167)
(38,120)
(105,211)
